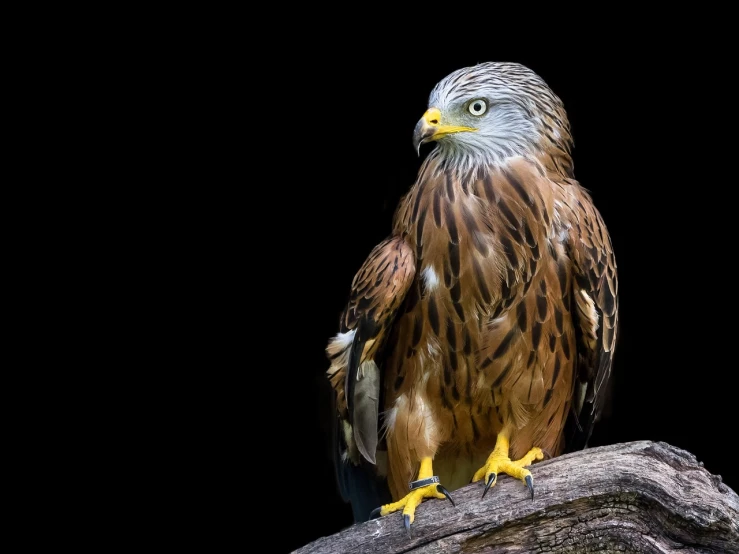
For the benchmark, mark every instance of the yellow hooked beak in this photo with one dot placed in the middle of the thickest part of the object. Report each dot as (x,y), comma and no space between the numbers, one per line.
(430,128)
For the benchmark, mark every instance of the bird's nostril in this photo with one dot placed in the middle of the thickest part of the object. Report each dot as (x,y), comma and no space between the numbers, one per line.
(434,121)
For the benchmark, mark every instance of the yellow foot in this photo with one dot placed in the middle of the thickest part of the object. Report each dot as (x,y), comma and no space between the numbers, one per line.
(410,502)
(499,462)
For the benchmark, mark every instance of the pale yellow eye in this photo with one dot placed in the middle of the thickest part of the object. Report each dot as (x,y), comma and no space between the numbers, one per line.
(478,107)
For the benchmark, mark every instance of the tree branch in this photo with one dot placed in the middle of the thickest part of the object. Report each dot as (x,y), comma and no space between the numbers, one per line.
(634,497)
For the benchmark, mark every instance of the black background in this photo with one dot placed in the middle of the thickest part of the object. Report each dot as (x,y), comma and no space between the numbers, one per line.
(648,128)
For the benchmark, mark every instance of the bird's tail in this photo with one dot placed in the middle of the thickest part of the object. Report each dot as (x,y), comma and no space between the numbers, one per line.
(358,485)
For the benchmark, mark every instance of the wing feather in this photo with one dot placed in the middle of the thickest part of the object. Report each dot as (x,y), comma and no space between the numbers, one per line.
(378,290)
(594,291)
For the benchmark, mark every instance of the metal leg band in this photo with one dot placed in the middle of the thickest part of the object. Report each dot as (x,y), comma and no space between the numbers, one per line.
(423,482)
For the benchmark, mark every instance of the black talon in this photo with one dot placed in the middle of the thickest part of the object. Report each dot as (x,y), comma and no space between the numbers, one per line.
(530,485)
(407,523)
(491,480)
(375,513)
(445,492)
(548,454)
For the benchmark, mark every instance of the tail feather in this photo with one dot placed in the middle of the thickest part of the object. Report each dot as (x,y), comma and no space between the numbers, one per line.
(358,485)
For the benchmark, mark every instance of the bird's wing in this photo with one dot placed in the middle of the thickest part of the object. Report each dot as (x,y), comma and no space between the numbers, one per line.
(594,290)
(377,292)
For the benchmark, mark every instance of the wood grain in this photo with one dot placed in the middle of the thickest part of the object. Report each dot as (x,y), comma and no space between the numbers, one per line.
(633,497)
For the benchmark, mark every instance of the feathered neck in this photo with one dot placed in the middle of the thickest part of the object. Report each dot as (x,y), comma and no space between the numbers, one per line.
(553,155)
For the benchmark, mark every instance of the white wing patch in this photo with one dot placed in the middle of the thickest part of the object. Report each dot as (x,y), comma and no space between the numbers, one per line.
(430,278)
(338,350)
(342,340)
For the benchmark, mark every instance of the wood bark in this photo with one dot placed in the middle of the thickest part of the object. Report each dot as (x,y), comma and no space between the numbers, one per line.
(633,497)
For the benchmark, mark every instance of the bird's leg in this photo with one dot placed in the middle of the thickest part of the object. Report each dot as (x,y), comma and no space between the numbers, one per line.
(499,462)
(419,491)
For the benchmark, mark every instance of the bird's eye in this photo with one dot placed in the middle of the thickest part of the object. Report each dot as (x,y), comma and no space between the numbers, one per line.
(478,107)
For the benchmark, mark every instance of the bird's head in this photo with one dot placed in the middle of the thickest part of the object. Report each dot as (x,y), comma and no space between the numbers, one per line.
(491,111)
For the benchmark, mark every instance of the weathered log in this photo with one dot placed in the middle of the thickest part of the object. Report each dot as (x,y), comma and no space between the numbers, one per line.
(632,497)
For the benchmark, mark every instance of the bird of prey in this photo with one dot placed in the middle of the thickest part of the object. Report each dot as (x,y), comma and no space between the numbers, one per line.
(480,334)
